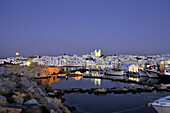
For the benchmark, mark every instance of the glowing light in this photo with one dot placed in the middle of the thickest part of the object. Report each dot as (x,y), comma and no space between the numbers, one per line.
(97,82)
(17,53)
(28,63)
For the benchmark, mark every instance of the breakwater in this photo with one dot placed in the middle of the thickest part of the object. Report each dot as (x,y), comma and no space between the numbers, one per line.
(22,94)
(104,91)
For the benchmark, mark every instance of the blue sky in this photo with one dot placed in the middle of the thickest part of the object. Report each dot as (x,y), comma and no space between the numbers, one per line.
(55,27)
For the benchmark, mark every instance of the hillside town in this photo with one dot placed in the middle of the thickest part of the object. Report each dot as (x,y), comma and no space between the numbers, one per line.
(95,60)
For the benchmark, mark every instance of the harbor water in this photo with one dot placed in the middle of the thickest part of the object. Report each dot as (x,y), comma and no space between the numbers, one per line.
(109,103)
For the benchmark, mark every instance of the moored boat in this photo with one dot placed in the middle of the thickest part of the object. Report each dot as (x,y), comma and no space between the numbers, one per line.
(165,74)
(143,73)
(115,72)
(62,75)
(162,105)
(152,73)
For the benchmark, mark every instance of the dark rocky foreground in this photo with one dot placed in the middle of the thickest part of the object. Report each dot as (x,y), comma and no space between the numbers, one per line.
(22,94)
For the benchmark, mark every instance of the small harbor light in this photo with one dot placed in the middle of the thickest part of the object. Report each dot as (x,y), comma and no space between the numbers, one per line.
(28,63)
(17,53)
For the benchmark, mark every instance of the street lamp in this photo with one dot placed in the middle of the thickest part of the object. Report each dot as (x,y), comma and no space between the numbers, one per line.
(17,53)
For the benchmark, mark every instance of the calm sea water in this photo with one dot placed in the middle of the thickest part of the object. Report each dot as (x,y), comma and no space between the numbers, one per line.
(110,103)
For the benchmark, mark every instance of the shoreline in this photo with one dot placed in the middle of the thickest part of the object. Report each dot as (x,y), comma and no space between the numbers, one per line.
(22,94)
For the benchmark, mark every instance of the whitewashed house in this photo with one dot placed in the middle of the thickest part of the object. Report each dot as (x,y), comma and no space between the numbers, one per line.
(130,67)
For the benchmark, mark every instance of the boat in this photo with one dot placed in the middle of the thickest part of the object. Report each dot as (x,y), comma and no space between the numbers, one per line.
(114,72)
(152,73)
(162,105)
(62,75)
(143,73)
(77,73)
(164,74)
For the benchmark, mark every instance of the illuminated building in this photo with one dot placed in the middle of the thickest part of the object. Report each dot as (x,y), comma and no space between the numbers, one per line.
(96,53)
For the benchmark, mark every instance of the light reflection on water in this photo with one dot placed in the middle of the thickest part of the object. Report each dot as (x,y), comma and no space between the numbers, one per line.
(88,83)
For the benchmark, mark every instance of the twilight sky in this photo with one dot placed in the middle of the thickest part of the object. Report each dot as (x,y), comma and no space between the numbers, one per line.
(55,27)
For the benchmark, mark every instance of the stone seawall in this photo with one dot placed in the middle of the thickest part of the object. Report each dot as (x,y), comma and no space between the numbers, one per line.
(21,94)
(32,71)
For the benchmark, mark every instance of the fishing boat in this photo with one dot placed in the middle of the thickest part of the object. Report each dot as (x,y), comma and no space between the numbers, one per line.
(143,73)
(114,72)
(162,105)
(165,73)
(152,73)
(62,75)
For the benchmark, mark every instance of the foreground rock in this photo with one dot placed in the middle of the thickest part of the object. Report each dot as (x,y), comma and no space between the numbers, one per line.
(21,94)
(10,110)
(36,109)
(3,100)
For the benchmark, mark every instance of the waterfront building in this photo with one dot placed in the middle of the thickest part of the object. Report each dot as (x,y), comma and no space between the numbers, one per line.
(130,67)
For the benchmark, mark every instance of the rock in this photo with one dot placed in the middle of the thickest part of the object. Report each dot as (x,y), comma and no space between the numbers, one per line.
(56,91)
(34,83)
(65,109)
(71,108)
(8,83)
(10,110)
(16,99)
(53,106)
(43,101)
(21,92)
(124,90)
(24,79)
(56,101)
(113,88)
(90,91)
(53,111)
(67,90)
(51,94)
(31,89)
(18,96)
(36,109)
(101,90)
(36,95)
(82,90)
(3,100)
(49,89)
(41,92)
(26,84)
(14,78)
(134,89)
(31,102)
(117,91)
(4,89)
